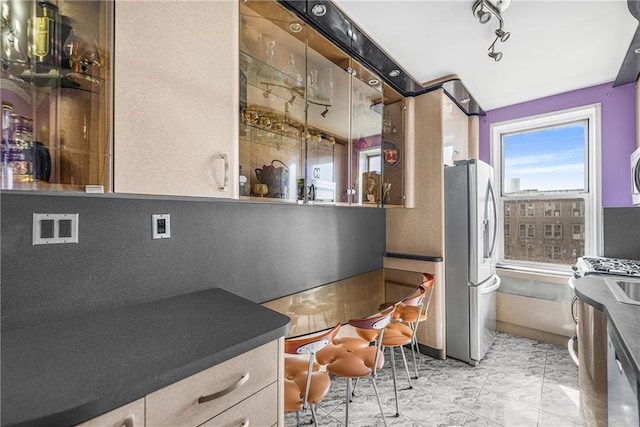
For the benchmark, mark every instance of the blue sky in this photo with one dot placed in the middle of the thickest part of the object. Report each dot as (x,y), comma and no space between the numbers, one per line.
(546,159)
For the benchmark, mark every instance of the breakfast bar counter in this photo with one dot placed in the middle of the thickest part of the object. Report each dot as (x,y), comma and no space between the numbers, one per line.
(71,370)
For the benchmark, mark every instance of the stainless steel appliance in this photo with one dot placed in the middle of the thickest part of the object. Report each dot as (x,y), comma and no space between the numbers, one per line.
(470,244)
(622,385)
(591,332)
(635,177)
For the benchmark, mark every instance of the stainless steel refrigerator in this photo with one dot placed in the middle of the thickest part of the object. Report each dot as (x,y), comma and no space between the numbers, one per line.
(470,245)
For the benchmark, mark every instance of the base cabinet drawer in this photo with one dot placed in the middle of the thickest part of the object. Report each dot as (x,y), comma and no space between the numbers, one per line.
(129,415)
(261,409)
(199,398)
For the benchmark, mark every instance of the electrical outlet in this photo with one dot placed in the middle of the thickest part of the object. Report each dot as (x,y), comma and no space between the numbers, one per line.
(55,228)
(161,226)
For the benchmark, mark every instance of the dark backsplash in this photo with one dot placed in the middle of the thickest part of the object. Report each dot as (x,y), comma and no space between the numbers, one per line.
(622,232)
(259,251)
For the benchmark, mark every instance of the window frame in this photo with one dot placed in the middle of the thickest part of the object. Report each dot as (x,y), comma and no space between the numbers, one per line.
(591,195)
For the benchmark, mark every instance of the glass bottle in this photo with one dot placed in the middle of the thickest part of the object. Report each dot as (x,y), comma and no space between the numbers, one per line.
(292,76)
(45,50)
(269,72)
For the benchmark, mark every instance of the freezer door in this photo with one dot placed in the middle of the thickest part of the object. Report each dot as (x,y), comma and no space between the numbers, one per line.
(482,223)
(482,328)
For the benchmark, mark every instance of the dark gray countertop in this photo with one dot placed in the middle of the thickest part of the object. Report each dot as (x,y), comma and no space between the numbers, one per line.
(72,370)
(624,318)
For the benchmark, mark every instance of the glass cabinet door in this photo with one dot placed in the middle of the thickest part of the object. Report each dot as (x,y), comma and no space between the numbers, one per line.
(311,117)
(328,115)
(55,89)
(272,102)
(393,149)
(366,137)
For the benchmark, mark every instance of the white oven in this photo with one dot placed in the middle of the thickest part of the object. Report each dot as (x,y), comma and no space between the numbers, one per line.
(635,177)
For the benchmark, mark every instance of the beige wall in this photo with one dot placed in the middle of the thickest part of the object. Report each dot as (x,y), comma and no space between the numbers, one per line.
(535,317)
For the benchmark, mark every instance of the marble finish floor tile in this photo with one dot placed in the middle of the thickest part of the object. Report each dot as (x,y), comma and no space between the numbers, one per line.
(521,382)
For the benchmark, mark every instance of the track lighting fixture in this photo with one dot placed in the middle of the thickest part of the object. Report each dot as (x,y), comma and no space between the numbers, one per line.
(484,10)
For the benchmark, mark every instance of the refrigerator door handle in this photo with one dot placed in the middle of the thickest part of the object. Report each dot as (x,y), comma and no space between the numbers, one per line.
(493,287)
(494,238)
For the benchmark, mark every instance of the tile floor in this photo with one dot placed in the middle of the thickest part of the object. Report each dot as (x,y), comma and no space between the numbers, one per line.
(521,382)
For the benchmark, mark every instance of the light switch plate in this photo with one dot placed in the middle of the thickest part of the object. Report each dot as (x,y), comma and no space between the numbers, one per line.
(55,228)
(161,226)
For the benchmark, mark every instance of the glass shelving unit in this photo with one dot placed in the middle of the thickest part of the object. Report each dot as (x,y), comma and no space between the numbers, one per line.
(56,95)
(311,116)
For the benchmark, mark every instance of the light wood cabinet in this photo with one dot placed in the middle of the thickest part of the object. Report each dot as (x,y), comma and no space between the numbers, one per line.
(187,402)
(244,390)
(419,230)
(129,415)
(455,131)
(260,409)
(176,98)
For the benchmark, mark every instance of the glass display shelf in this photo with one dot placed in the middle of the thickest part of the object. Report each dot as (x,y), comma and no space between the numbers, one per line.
(55,82)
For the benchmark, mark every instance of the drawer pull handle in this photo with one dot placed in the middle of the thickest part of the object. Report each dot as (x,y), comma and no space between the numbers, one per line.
(128,422)
(245,423)
(216,395)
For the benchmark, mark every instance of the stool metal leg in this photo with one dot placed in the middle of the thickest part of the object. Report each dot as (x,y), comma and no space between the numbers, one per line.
(406,367)
(346,417)
(375,388)
(395,386)
(313,415)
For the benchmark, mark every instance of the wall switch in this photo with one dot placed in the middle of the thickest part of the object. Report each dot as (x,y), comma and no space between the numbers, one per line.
(55,228)
(161,226)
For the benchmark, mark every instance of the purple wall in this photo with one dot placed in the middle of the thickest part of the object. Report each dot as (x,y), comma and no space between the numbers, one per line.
(618,131)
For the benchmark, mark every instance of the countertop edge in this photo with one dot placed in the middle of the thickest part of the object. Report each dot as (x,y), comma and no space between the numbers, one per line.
(597,294)
(269,326)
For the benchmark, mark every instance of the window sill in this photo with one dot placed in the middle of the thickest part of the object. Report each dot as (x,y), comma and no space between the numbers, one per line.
(532,273)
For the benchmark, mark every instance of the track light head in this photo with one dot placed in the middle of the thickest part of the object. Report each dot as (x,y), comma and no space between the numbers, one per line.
(483,16)
(502,34)
(497,56)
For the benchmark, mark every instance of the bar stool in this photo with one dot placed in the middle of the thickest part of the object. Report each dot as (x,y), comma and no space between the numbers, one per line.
(428,283)
(358,361)
(399,334)
(304,383)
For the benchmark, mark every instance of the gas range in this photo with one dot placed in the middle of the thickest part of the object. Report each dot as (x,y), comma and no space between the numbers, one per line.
(586,266)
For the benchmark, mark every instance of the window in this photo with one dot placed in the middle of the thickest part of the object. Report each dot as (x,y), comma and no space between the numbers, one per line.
(527,230)
(546,178)
(553,231)
(553,252)
(577,232)
(526,209)
(552,209)
(577,208)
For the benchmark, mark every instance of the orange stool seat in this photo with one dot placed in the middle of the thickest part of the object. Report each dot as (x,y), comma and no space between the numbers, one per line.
(295,383)
(304,382)
(354,357)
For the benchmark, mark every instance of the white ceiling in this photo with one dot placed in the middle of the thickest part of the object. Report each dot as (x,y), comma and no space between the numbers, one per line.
(555,46)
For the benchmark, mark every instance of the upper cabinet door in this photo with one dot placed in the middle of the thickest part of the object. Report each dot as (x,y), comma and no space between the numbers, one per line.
(176,98)
(311,116)
(56,94)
